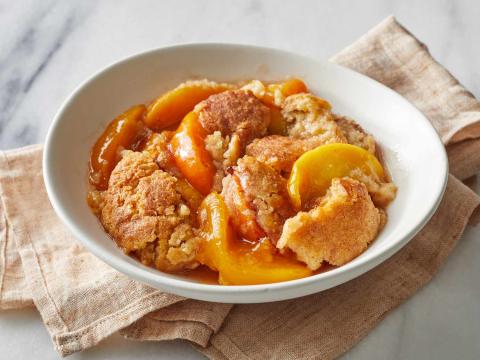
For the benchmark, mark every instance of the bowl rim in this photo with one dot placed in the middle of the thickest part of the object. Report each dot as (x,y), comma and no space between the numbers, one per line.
(356,268)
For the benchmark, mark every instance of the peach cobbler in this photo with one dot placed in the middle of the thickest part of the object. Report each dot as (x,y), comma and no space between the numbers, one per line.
(257,182)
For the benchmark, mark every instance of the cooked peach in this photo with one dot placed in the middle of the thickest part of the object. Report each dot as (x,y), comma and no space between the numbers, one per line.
(313,172)
(242,216)
(171,107)
(191,157)
(283,89)
(237,262)
(122,133)
(213,219)
(256,196)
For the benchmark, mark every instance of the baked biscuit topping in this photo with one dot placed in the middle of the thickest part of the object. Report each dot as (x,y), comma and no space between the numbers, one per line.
(281,152)
(146,215)
(337,230)
(234,113)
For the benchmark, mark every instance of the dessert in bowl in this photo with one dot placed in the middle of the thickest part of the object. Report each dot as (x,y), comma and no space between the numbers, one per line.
(258,181)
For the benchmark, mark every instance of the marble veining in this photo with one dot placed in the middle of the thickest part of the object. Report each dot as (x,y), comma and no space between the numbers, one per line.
(47,48)
(21,65)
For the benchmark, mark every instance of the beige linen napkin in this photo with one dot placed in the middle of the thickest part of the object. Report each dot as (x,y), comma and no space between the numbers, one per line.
(82,300)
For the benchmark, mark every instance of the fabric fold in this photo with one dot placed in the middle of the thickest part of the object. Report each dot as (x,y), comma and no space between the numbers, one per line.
(80,299)
(391,55)
(192,320)
(325,325)
(14,290)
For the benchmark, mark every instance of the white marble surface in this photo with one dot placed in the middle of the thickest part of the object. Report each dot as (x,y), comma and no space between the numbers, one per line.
(48,47)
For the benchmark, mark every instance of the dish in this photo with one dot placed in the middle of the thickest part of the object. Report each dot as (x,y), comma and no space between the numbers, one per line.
(258,182)
(413,152)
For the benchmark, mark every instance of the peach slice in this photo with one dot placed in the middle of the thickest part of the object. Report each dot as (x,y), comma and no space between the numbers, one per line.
(237,262)
(171,107)
(123,132)
(314,171)
(242,217)
(192,158)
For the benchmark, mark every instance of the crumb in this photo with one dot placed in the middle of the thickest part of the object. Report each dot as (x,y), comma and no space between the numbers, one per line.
(382,193)
(225,152)
(308,116)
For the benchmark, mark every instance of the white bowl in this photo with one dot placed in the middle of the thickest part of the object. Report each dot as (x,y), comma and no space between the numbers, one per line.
(414,154)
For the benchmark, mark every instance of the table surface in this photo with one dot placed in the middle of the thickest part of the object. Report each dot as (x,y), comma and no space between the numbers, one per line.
(49,47)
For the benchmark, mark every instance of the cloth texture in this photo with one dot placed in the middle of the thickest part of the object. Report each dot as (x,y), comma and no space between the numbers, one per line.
(82,300)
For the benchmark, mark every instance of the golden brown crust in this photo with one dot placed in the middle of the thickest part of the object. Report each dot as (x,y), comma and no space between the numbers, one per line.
(337,230)
(132,167)
(142,210)
(355,134)
(234,112)
(281,152)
